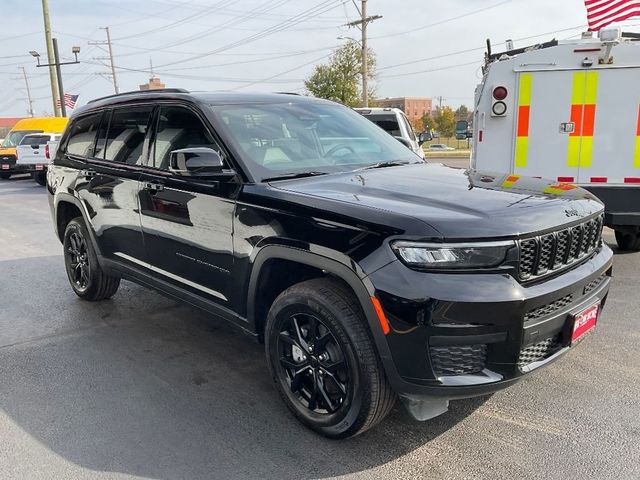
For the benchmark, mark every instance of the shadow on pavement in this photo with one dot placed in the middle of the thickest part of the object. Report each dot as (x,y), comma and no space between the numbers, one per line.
(142,385)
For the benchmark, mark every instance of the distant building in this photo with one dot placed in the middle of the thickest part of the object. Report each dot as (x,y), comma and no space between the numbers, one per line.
(6,123)
(154,84)
(413,107)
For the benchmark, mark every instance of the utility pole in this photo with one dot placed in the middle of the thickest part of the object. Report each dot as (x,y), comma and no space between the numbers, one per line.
(52,70)
(362,25)
(440,99)
(113,68)
(30,100)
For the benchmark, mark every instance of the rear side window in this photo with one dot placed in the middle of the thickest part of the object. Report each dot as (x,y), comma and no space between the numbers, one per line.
(126,135)
(388,122)
(82,135)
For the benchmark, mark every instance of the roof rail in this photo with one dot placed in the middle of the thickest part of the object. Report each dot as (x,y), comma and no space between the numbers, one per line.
(157,90)
(288,93)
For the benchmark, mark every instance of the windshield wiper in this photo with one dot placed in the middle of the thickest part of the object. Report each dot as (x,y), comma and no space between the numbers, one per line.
(390,163)
(286,176)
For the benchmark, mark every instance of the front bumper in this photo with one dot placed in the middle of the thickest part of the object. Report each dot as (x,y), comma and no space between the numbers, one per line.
(463,335)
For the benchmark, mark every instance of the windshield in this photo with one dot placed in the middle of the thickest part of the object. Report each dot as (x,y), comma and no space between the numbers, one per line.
(295,138)
(35,140)
(14,138)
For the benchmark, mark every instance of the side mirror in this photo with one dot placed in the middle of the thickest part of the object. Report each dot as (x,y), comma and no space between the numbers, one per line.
(197,161)
(424,137)
(405,142)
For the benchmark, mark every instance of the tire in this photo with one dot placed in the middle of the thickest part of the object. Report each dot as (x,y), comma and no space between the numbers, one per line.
(40,178)
(85,275)
(353,393)
(628,241)
(5,175)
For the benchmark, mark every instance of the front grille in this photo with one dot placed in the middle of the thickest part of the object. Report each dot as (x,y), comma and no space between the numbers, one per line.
(540,350)
(593,284)
(548,309)
(458,360)
(554,251)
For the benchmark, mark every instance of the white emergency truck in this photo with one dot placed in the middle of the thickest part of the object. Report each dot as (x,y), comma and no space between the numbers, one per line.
(569,111)
(33,153)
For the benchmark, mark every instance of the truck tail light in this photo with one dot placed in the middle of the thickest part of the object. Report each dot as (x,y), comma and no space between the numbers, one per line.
(46,152)
(498,105)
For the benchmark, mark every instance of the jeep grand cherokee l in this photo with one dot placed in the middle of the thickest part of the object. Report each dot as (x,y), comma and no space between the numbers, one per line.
(367,273)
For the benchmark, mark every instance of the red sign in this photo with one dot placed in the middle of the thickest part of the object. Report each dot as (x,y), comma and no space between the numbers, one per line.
(584,322)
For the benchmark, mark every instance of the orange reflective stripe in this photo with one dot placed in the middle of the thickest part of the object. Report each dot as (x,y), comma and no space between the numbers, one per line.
(636,156)
(510,180)
(523,120)
(588,120)
(522,129)
(576,118)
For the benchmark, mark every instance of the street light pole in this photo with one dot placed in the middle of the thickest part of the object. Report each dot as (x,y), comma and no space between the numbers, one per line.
(26,83)
(57,64)
(52,71)
(56,60)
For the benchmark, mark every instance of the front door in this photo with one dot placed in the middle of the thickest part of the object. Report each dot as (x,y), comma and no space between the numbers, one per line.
(187,223)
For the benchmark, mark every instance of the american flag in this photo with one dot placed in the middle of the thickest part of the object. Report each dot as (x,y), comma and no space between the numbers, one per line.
(601,13)
(69,100)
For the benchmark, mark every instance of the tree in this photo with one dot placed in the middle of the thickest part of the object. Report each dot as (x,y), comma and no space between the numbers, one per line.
(427,122)
(340,80)
(463,113)
(445,121)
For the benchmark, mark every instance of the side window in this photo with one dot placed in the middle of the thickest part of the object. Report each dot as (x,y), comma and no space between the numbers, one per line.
(127,131)
(82,135)
(101,143)
(179,128)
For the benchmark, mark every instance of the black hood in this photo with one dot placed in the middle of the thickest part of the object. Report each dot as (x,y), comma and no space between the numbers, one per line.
(458,203)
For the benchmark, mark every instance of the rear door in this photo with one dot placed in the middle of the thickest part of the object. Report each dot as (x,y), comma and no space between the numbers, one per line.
(187,223)
(108,181)
(615,149)
(548,124)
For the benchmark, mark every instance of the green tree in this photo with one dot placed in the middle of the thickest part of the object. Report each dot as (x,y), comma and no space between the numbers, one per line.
(427,122)
(463,113)
(340,80)
(444,121)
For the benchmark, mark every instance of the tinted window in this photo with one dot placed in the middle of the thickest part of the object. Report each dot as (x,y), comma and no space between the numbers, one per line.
(388,122)
(409,128)
(14,138)
(35,140)
(125,138)
(82,135)
(179,128)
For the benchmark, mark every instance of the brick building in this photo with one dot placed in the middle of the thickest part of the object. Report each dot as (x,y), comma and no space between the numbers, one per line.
(6,123)
(154,84)
(413,107)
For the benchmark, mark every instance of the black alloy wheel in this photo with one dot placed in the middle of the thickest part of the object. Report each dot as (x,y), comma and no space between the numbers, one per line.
(78,266)
(322,359)
(85,274)
(313,363)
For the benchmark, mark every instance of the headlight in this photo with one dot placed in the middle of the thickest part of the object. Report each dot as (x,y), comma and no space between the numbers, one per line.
(452,255)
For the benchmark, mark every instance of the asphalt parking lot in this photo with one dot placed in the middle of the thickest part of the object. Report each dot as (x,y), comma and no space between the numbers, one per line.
(143,387)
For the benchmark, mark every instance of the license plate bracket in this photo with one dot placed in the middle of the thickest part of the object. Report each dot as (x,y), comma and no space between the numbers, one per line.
(583,322)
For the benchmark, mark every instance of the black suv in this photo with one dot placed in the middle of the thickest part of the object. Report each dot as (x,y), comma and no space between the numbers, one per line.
(367,273)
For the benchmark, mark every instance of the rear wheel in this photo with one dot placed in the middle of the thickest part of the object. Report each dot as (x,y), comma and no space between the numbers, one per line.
(323,362)
(40,178)
(5,175)
(85,275)
(629,241)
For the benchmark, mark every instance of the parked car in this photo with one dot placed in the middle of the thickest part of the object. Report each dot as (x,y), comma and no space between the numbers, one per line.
(31,154)
(395,123)
(440,146)
(24,127)
(367,273)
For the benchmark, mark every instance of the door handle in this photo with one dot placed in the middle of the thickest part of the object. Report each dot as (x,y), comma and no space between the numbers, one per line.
(88,173)
(153,186)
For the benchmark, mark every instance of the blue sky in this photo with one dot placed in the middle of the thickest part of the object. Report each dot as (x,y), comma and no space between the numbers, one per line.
(424,47)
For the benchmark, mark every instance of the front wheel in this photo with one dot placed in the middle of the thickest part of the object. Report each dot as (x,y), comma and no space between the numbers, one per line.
(85,275)
(628,241)
(323,362)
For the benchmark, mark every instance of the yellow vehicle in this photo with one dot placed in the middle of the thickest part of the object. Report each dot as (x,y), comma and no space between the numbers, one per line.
(24,127)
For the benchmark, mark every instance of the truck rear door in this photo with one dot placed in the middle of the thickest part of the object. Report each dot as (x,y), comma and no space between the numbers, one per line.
(544,124)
